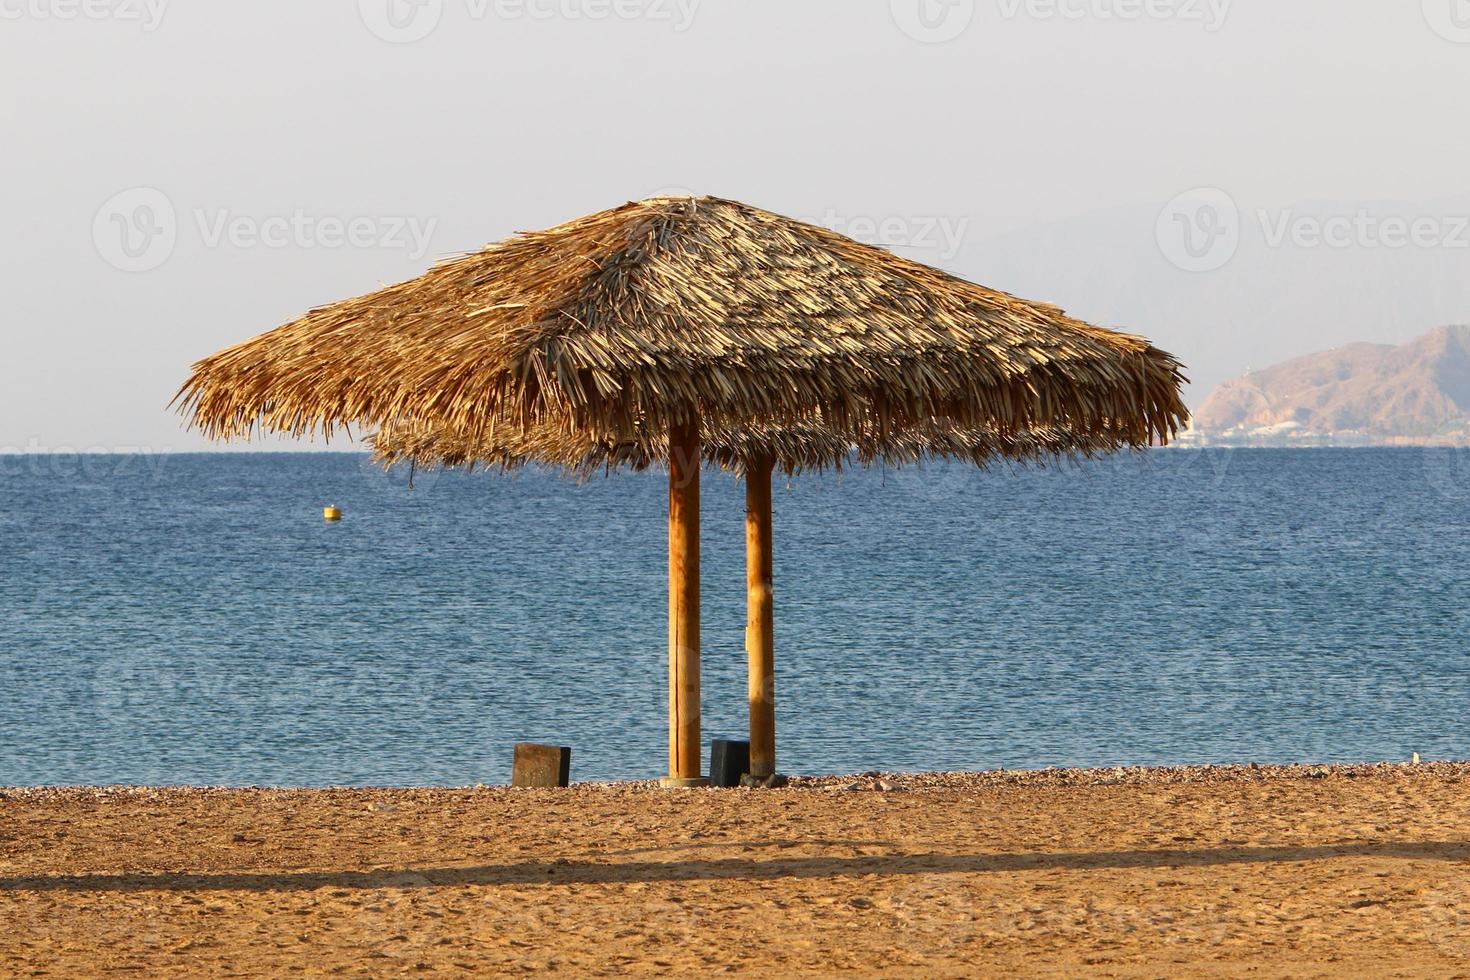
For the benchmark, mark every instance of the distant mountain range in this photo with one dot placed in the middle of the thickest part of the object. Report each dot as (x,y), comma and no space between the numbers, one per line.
(1417,393)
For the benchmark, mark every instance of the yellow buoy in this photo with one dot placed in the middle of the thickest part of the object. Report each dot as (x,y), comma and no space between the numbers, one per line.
(332,513)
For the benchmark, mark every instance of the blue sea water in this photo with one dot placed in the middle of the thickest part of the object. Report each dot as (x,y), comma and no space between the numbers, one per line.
(192,619)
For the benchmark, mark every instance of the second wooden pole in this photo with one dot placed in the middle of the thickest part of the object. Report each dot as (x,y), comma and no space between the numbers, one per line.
(760,631)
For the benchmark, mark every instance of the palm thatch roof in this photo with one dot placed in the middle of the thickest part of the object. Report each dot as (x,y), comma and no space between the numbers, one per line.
(632,319)
(803,446)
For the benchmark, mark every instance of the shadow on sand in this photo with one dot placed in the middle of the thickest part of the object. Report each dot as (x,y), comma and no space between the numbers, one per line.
(603,872)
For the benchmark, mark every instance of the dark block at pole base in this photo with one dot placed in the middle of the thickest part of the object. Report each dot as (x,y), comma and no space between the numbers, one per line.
(541,765)
(728,761)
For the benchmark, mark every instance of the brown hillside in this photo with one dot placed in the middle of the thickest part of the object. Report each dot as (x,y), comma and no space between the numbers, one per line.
(1417,391)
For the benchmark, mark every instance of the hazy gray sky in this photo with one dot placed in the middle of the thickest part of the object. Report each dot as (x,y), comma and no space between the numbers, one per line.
(180,175)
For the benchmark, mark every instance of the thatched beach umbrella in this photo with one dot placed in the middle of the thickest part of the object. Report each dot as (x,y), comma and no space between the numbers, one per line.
(683,316)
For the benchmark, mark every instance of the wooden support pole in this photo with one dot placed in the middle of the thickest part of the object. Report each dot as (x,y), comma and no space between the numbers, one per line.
(760,638)
(685,460)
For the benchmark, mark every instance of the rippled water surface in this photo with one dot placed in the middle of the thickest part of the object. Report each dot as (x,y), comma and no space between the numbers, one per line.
(191,619)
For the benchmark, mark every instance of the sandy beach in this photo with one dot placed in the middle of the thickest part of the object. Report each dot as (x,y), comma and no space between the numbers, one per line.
(1214,871)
